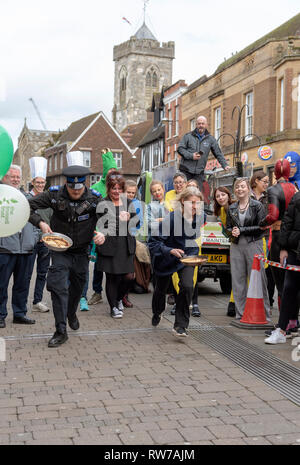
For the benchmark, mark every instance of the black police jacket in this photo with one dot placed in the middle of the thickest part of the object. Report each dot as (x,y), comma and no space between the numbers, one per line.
(76,219)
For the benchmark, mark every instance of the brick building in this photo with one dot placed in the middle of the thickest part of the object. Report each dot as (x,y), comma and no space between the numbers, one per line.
(31,143)
(91,135)
(173,115)
(263,81)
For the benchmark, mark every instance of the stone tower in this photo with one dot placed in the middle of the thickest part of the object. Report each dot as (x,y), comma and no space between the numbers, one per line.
(142,67)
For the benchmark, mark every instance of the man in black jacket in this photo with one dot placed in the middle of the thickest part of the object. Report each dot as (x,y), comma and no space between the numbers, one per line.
(74,215)
(194,149)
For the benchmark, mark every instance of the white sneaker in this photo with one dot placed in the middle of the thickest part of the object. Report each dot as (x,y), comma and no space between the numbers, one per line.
(121,306)
(40,307)
(276,337)
(116,313)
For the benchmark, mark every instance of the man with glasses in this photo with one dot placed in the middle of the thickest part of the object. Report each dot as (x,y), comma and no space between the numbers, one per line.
(38,169)
(194,149)
(15,259)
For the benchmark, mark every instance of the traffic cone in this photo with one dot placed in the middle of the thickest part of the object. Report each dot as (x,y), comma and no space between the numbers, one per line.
(254,316)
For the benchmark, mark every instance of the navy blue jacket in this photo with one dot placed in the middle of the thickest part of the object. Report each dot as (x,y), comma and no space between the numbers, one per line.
(174,233)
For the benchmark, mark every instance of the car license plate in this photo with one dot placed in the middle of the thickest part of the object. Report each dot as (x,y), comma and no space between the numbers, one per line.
(217,258)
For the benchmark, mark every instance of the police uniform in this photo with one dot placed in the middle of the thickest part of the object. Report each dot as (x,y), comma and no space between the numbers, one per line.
(76,219)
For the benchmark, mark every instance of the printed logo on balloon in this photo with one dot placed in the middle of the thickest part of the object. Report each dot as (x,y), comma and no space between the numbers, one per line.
(14,207)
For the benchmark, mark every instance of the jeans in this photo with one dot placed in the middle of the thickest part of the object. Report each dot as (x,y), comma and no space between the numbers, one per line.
(19,265)
(97,282)
(42,254)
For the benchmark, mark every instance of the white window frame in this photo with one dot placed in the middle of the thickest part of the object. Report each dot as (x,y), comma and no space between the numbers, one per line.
(192,124)
(249,115)
(176,120)
(87,155)
(50,164)
(217,122)
(61,160)
(298,103)
(170,122)
(118,156)
(281,110)
(94,178)
(55,161)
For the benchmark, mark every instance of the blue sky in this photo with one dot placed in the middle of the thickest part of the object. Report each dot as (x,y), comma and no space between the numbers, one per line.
(60,52)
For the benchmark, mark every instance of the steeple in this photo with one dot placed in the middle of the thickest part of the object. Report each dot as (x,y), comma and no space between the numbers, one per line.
(144,33)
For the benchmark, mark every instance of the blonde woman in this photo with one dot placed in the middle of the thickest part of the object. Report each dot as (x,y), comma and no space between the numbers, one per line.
(243,219)
(156,209)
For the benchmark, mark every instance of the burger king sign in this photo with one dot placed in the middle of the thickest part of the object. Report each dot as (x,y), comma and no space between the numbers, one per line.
(265,153)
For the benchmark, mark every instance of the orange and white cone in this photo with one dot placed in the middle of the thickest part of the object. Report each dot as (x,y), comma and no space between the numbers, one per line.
(254,313)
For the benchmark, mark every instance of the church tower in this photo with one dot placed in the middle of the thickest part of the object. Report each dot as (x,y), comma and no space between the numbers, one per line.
(142,67)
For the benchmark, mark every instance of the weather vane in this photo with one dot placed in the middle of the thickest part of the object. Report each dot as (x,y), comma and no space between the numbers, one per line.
(145,6)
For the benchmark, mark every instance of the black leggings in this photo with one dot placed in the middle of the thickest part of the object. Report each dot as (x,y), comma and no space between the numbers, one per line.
(183,299)
(289,308)
(117,286)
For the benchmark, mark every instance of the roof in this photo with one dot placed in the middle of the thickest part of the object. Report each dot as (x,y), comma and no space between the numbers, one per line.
(144,33)
(134,133)
(76,129)
(197,83)
(153,134)
(290,28)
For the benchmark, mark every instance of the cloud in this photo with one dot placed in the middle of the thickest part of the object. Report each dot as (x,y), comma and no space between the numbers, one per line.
(61,53)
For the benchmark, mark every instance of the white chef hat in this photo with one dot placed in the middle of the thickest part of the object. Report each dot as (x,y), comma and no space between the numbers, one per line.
(38,167)
(75,158)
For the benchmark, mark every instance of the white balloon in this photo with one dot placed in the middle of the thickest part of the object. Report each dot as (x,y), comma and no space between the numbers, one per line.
(14,210)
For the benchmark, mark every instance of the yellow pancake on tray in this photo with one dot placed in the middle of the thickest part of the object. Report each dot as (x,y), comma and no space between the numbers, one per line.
(57,242)
(194,260)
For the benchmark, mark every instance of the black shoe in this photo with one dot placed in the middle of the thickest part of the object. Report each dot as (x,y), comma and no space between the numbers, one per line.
(74,322)
(179,332)
(2,323)
(58,339)
(173,310)
(156,320)
(231,309)
(196,312)
(23,320)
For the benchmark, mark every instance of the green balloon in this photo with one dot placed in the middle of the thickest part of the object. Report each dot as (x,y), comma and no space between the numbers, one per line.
(6,152)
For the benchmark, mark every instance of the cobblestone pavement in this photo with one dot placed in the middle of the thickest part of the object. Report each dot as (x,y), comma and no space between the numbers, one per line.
(122,382)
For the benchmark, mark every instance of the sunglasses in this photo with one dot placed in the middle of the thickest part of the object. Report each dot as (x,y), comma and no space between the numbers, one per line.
(116,176)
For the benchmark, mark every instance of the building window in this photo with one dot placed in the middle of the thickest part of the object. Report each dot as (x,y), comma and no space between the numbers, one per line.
(50,164)
(148,80)
(86,158)
(176,120)
(217,123)
(94,178)
(192,124)
(298,99)
(61,160)
(281,115)
(118,158)
(55,162)
(249,116)
(170,122)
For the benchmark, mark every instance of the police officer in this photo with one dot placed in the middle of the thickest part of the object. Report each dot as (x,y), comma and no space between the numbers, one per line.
(74,214)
